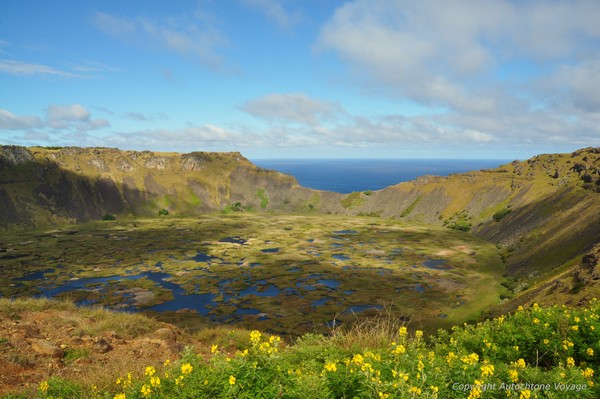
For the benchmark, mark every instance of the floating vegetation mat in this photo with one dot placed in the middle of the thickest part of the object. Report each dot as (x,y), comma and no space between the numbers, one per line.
(279,273)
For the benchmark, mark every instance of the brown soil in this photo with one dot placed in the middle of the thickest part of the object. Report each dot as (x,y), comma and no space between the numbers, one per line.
(35,346)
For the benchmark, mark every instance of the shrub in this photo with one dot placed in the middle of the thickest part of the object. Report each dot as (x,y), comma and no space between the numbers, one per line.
(109,217)
(498,216)
(163,212)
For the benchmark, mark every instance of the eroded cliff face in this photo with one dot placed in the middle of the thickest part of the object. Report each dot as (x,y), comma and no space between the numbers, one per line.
(40,186)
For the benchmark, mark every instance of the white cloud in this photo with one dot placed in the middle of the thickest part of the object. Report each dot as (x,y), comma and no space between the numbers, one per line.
(292,107)
(464,58)
(276,12)
(19,68)
(187,35)
(10,121)
(74,117)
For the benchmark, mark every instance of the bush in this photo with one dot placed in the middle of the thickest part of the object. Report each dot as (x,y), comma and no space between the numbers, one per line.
(109,217)
(163,212)
(498,216)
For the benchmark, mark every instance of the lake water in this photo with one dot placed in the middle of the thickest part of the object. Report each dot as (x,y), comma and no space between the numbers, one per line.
(348,175)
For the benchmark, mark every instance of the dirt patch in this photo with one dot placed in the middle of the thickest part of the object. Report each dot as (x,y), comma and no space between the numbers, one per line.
(35,346)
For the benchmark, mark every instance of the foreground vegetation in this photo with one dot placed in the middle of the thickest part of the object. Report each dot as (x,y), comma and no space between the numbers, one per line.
(537,352)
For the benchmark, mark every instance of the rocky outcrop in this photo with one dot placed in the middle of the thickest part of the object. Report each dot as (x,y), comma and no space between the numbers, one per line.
(11,155)
(591,262)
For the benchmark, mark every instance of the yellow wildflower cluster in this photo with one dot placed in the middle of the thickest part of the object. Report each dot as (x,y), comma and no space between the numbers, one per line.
(330,366)
(450,357)
(44,386)
(476,390)
(513,375)
(125,382)
(520,363)
(587,373)
(525,394)
(232,380)
(470,359)
(146,391)
(487,370)
(186,368)
(255,337)
(399,350)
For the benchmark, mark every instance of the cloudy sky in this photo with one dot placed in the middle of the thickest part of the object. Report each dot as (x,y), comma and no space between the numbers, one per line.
(303,78)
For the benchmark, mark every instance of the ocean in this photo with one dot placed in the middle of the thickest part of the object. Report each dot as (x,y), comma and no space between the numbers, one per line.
(348,175)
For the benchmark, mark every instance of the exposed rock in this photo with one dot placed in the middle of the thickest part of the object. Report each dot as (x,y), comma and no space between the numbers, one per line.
(591,261)
(46,348)
(100,165)
(194,160)
(102,346)
(157,163)
(124,166)
(12,155)
(29,330)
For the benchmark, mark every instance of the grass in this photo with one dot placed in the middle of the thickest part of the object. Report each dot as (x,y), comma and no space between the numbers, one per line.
(537,352)
(263,197)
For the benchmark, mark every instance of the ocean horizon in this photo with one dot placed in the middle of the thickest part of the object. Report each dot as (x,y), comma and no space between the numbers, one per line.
(349,175)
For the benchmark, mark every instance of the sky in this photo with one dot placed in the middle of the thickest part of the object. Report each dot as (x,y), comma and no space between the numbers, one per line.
(303,78)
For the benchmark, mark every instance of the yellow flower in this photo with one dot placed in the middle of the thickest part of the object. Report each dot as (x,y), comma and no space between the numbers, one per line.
(536,320)
(402,332)
(487,370)
(546,341)
(520,364)
(570,362)
(419,334)
(589,352)
(450,357)
(155,381)
(525,394)
(186,368)
(120,396)
(146,390)
(179,381)
(232,380)
(255,336)
(434,389)
(358,359)
(513,375)
(471,359)
(273,339)
(384,395)
(330,366)
(415,390)
(587,373)
(150,371)
(166,363)
(399,350)
(214,349)
(575,328)
(44,386)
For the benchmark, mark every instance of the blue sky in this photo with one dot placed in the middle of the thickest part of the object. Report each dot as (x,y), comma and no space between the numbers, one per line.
(303,78)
